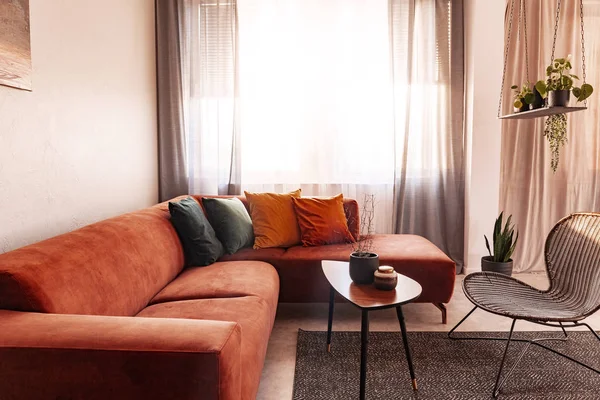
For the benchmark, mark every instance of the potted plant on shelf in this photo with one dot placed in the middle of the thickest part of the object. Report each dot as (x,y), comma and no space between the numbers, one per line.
(523,97)
(504,242)
(363,261)
(559,84)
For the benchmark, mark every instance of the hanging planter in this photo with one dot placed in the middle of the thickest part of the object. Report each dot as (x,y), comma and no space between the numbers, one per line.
(548,98)
(558,87)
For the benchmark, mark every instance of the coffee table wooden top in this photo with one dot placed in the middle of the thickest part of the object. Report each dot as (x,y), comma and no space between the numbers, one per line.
(366,296)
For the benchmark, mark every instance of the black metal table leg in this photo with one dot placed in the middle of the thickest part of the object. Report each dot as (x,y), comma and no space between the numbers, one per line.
(330,320)
(364,343)
(406,347)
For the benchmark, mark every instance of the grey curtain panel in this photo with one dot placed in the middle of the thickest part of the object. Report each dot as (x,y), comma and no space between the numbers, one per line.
(427,57)
(529,190)
(171,144)
(198,114)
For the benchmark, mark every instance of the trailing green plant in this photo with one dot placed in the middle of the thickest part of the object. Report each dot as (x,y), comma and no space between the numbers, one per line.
(559,78)
(556,133)
(504,245)
(523,95)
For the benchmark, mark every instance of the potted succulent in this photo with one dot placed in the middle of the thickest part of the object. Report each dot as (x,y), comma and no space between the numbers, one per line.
(504,241)
(363,261)
(560,83)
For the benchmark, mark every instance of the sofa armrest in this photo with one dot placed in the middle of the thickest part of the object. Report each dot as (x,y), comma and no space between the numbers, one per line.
(99,357)
(352,217)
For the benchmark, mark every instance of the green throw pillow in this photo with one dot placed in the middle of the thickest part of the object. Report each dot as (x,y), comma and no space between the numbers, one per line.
(200,243)
(231,222)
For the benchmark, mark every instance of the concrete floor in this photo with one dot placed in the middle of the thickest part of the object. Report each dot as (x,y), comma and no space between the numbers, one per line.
(278,372)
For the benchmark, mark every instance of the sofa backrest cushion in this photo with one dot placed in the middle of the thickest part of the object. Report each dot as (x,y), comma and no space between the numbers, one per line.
(350,208)
(113,267)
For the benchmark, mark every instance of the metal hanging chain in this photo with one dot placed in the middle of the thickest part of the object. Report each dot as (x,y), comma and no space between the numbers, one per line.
(555,30)
(512,4)
(525,40)
(582,46)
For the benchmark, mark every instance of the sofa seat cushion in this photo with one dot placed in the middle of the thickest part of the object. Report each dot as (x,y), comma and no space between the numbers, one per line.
(302,279)
(223,279)
(254,315)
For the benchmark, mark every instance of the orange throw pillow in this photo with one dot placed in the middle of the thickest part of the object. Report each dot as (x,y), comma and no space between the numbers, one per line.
(322,221)
(273,219)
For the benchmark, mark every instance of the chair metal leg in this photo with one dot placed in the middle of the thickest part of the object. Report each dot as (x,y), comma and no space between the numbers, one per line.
(459,323)
(590,328)
(563,329)
(330,318)
(496,386)
(528,343)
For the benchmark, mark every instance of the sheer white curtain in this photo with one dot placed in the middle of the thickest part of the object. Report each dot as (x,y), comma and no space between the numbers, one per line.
(352,96)
(427,49)
(316,98)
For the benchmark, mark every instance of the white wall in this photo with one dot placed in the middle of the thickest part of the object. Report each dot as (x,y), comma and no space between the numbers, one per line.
(484,42)
(82,146)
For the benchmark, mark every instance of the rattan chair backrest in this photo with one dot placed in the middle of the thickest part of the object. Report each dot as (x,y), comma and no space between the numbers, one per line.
(573,262)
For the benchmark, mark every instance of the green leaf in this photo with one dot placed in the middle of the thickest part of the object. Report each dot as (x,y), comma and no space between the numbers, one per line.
(566,82)
(512,248)
(549,70)
(529,98)
(574,76)
(514,87)
(540,86)
(577,92)
(487,244)
(518,104)
(586,91)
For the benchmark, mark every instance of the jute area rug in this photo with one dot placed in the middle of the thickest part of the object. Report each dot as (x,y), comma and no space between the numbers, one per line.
(445,369)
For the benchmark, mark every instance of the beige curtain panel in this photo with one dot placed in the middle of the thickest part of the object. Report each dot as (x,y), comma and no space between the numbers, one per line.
(529,190)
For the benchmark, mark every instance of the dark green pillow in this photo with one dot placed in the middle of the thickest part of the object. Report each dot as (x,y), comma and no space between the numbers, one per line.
(231,222)
(200,243)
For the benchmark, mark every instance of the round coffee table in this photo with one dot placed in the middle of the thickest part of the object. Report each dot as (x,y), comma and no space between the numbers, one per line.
(367,298)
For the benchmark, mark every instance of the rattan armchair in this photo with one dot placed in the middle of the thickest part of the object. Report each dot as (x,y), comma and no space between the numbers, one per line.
(572,255)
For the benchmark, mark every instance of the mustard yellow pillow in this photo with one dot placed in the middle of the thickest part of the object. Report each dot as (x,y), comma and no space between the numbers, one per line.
(273,219)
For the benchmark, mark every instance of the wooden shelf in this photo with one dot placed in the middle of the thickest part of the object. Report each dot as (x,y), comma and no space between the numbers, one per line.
(542,112)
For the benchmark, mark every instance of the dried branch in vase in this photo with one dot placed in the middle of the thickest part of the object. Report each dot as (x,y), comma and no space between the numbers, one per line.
(364,245)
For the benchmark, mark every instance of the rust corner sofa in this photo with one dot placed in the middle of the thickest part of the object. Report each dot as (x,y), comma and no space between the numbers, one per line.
(108,311)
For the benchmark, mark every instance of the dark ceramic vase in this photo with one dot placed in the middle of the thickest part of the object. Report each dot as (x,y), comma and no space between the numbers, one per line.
(559,98)
(488,265)
(362,267)
(538,101)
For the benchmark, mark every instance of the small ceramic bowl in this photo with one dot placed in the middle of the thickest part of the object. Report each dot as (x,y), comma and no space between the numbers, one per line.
(385,278)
